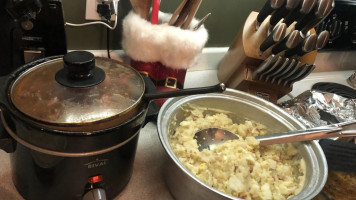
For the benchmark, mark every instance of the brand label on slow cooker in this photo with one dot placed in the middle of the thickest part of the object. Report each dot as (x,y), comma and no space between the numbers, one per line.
(97,163)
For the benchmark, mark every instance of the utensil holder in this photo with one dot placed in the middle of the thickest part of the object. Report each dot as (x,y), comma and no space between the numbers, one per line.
(243,58)
(162,52)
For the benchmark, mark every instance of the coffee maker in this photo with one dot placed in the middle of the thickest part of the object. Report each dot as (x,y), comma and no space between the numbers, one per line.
(29,30)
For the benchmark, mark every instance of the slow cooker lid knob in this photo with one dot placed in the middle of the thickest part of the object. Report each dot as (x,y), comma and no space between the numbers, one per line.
(79,70)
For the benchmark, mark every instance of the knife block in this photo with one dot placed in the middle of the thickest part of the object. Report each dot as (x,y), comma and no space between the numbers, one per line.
(242,58)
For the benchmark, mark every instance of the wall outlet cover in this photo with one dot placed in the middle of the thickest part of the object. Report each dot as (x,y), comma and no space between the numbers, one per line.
(90,11)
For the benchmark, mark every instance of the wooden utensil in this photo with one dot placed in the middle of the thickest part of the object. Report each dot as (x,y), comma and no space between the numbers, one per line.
(192,12)
(186,14)
(177,11)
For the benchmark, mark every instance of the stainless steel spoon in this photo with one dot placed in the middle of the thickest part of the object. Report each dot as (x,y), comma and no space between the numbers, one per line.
(214,136)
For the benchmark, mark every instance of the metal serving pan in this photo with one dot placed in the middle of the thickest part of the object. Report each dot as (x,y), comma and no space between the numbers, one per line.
(184,185)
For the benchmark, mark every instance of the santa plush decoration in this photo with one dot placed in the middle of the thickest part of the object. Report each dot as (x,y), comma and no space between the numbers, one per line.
(161,51)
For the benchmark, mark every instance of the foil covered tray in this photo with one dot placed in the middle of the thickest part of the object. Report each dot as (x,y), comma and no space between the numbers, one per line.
(329,103)
(316,108)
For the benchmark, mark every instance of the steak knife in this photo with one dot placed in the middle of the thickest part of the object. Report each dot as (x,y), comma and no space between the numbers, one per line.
(283,11)
(307,70)
(277,35)
(291,64)
(306,46)
(289,73)
(278,70)
(270,69)
(264,65)
(296,74)
(304,8)
(267,9)
(313,18)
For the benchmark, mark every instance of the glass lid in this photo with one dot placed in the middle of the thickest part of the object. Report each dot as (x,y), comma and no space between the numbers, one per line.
(40,94)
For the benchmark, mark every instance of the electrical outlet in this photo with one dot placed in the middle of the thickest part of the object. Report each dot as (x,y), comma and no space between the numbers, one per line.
(90,10)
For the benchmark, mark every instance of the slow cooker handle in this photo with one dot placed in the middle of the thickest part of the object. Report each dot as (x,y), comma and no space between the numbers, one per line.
(152,108)
(7,143)
(152,113)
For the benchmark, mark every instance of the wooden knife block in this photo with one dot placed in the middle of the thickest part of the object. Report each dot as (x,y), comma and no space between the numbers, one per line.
(242,58)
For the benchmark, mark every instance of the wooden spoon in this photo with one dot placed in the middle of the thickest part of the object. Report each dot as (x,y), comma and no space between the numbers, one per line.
(177,11)
(183,14)
(192,12)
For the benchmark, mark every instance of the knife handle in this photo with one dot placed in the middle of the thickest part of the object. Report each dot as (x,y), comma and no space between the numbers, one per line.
(293,75)
(290,41)
(290,72)
(283,11)
(264,65)
(278,70)
(291,52)
(277,34)
(309,69)
(323,39)
(284,70)
(291,17)
(268,8)
(270,69)
(313,18)
(308,45)
(277,16)
(302,9)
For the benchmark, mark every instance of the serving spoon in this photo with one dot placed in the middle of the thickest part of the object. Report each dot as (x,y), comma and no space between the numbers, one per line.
(214,136)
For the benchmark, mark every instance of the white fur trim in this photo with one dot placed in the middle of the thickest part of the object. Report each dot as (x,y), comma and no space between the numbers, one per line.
(170,45)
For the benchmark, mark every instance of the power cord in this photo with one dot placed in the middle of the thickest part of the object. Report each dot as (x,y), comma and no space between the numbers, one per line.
(105,10)
(108,41)
(93,23)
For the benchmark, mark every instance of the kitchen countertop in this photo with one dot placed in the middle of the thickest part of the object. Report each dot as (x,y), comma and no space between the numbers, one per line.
(147,181)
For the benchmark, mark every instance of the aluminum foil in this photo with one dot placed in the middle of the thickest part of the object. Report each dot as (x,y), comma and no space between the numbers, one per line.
(314,108)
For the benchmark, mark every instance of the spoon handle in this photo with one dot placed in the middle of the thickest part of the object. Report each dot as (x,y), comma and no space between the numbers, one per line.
(306,135)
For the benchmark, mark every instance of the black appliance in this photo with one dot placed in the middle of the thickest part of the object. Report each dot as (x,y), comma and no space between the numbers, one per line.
(30,29)
(341,23)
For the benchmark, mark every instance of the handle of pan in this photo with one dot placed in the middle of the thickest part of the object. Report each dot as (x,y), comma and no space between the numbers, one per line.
(191,91)
(7,143)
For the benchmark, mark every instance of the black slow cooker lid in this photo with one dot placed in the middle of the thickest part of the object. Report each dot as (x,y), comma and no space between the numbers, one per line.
(49,92)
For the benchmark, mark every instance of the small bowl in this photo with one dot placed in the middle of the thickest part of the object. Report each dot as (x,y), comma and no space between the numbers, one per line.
(184,185)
